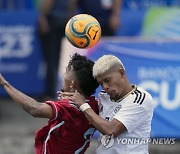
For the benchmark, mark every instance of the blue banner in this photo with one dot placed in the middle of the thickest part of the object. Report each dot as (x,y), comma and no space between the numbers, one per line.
(155,66)
(20,53)
(146,4)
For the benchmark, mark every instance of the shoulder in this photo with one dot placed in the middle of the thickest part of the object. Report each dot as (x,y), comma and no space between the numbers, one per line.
(65,104)
(103,95)
(58,103)
(104,99)
(140,98)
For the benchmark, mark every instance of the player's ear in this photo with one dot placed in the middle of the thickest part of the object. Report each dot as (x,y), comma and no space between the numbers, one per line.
(73,85)
(121,71)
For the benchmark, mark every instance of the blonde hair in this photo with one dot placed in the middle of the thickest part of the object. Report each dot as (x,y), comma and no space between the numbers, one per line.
(105,63)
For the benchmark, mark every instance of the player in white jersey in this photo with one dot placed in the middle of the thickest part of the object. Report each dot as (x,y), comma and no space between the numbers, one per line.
(135,112)
(125,110)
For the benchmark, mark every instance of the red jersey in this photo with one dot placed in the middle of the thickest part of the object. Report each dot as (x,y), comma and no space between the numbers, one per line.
(68,132)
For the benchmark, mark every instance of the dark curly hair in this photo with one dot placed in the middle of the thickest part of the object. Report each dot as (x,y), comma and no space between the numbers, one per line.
(83,71)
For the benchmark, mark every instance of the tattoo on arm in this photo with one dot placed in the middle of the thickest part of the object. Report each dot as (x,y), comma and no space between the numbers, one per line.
(29,104)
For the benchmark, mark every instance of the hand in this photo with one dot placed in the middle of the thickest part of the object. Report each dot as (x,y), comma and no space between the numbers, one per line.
(64,95)
(2,81)
(76,97)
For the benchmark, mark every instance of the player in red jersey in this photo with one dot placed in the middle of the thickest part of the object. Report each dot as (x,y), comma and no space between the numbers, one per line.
(68,131)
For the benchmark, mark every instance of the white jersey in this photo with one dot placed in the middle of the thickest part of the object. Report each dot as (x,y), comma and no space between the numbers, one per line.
(135,112)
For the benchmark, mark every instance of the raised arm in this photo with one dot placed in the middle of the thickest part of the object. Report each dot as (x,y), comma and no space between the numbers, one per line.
(30,105)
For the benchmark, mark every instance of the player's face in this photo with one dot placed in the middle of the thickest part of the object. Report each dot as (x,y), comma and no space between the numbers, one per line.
(112,82)
(67,82)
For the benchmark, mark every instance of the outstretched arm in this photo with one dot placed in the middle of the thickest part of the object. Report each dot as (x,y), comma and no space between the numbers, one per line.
(30,105)
(106,127)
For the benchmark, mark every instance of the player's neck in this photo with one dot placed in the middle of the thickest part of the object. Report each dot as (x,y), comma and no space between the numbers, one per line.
(129,90)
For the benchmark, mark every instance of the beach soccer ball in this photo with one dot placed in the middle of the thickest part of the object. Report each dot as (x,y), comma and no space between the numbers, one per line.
(83,31)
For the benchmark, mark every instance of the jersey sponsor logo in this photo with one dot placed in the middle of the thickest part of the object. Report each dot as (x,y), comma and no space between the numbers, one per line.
(118,107)
(139,97)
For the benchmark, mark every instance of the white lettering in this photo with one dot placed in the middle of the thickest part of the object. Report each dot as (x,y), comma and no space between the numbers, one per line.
(145,140)
(164,96)
(153,86)
(118,140)
(162,93)
(16,41)
(157,73)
